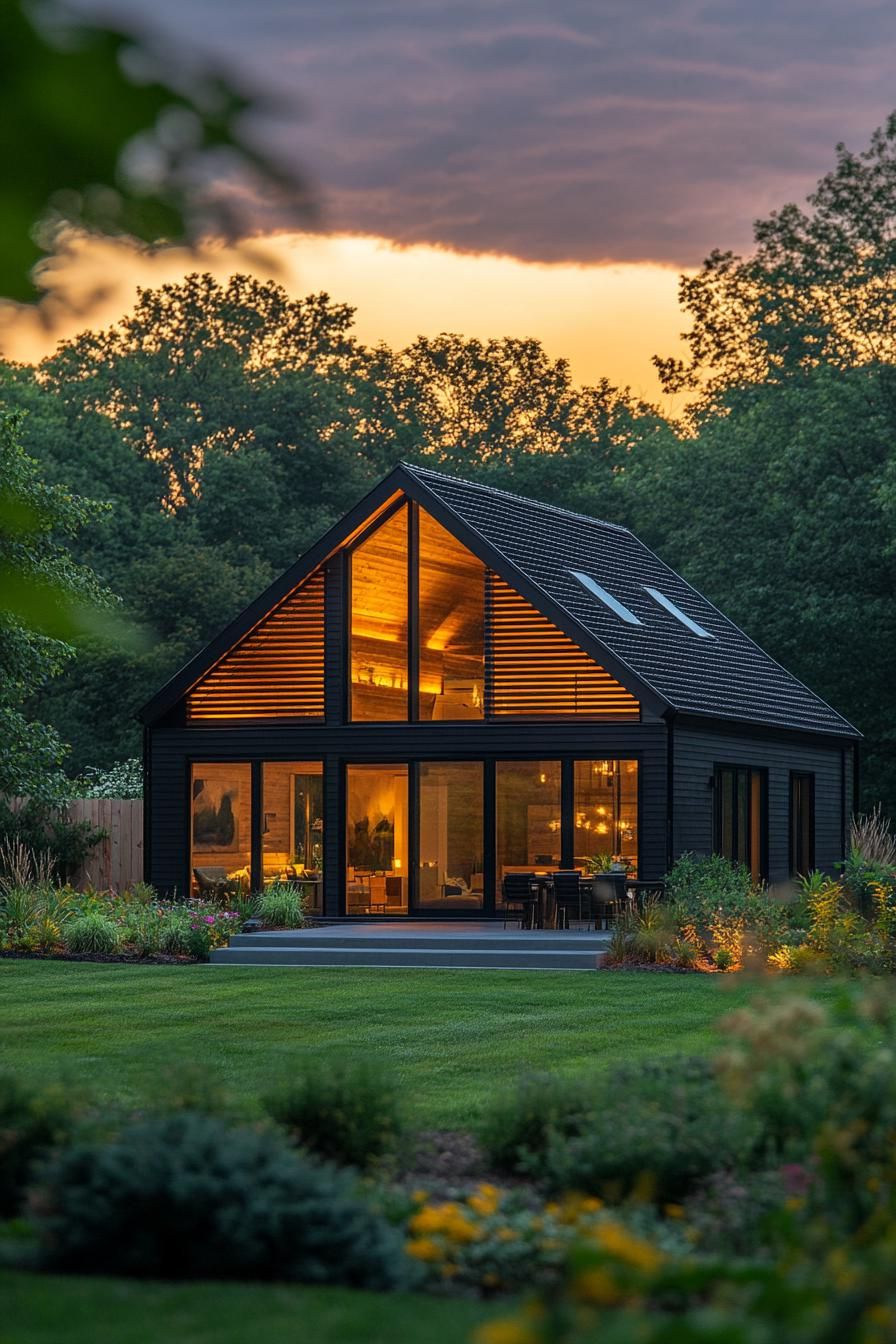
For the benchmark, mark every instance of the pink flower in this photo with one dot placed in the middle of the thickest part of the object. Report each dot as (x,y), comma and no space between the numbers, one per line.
(209,919)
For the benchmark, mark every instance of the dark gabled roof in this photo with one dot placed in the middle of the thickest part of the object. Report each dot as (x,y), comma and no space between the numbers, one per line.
(535,548)
(726,677)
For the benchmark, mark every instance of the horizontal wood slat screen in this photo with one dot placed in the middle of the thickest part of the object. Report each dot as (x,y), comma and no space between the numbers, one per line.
(535,669)
(277,672)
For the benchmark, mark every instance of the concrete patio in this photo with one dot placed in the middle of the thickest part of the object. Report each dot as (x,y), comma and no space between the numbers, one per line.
(450,945)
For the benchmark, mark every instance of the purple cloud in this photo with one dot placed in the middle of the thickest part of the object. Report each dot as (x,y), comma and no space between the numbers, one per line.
(573,130)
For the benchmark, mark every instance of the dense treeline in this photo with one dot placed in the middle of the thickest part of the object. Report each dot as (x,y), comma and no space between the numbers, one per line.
(229,425)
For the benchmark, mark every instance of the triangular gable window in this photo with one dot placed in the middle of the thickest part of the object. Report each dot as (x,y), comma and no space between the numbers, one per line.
(483,651)
(277,671)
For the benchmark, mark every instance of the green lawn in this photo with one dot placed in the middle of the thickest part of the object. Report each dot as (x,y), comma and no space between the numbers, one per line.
(46,1309)
(453,1036)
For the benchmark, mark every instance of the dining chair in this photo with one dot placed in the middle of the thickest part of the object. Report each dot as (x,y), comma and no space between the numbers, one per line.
(609,895)
(568,896)
(519,898)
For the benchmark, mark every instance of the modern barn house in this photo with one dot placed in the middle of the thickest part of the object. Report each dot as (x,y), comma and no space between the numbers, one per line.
(456,684)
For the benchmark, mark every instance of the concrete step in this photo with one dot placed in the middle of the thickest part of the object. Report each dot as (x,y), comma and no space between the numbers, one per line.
(399,956)
(468,942)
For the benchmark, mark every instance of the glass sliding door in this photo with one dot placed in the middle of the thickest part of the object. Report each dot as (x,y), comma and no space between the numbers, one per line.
(220,827)
(527,817)
(606,813)
(450,821)
(292,838)
(376,816)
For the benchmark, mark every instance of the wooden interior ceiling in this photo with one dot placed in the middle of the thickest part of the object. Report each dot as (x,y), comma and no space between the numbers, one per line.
(536,669)
(277,671)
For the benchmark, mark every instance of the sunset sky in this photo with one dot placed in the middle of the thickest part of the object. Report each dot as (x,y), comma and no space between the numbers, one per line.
(519,167)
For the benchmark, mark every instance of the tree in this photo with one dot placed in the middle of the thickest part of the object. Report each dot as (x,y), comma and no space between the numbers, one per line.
(119,134)
(35,563)
(819,289)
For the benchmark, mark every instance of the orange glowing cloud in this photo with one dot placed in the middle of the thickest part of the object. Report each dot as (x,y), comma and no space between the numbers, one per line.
(607,320)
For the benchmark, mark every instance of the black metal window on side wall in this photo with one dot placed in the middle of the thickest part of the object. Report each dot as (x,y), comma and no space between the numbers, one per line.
(802,823)
(740,822)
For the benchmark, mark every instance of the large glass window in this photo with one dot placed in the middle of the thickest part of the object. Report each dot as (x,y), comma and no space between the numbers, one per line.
(377,839)
(451,836)
(292,837)
(740,820)
(802,823)
(527,802)
(606,813)
(452,626)
(221,828)
(379,622)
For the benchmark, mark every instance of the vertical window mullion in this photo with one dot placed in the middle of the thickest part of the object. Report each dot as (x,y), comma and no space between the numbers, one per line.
(413,612)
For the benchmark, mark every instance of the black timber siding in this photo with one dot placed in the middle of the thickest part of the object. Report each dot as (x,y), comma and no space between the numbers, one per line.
(172,748)
(699,747)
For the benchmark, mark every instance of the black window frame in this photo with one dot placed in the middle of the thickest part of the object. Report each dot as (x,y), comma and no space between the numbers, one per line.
(741,806)
(801,792)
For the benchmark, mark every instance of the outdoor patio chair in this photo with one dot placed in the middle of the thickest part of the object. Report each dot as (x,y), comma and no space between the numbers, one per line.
(609,897)
(570,898)
(519,898)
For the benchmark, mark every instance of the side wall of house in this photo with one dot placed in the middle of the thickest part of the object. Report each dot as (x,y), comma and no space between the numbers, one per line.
(699,747)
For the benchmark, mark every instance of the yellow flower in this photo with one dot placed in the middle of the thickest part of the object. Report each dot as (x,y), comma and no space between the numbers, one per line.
(504,1332)
(424,1248)
(619,1242)
(674,1211)
(597,1287)
(592,1204)
(485,1200)
(419,1196)
(506,1234)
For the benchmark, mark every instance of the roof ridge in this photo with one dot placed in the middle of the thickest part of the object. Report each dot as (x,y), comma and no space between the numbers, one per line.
(521,499)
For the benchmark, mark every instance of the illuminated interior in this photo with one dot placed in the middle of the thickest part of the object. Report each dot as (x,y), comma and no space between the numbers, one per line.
(452,626)
(450,874)
(606,813)
(527,817)
(292,832)
(220,828)
(379,622)
(376,816)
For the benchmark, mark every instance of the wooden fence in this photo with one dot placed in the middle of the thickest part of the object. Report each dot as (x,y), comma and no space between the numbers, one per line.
(117,861)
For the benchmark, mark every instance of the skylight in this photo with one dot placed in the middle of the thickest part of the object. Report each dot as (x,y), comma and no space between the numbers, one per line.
(677,612)
(607,598)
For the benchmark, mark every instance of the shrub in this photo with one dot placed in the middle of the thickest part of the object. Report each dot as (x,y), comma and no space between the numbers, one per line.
(494,1241)
(653,936)
(122,780)
(45,830)
(700,888)
(519,1126)
(91,933)
(31,1121)
(860,878)
(349,1111)
(186,1197)
(140,929)
(281,906)
(174,932)
(657,1130)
